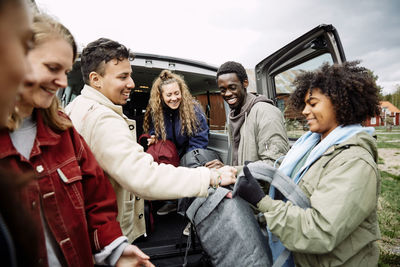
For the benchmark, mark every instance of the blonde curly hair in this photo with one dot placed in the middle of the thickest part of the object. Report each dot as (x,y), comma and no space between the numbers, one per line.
(154,111)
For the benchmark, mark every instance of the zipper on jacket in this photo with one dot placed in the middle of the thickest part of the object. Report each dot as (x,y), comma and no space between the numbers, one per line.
(172,118)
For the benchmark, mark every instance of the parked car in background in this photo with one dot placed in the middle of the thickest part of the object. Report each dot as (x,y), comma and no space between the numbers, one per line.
(273,77)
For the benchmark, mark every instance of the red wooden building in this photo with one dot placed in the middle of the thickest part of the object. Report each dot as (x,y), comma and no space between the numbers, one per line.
(389,114)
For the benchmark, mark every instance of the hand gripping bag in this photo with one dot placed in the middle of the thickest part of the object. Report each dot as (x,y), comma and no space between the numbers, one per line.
(228,230)
(162,151)
(290,191)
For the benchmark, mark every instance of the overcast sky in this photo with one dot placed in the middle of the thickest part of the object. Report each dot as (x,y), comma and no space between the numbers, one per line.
(215,31)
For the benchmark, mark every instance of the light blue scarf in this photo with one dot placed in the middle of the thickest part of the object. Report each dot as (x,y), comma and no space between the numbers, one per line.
(299,149)
(309,140)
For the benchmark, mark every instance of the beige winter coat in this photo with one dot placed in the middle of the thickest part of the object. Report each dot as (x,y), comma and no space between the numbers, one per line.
(132,172)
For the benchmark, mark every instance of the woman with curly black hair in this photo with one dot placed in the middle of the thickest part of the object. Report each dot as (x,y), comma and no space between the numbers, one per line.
(350,88)
(335,166)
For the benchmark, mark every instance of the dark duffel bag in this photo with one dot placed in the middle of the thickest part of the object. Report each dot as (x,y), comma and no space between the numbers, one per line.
(198,157)
(228,230)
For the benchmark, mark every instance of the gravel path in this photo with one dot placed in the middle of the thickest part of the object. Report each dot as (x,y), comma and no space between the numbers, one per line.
(391,160)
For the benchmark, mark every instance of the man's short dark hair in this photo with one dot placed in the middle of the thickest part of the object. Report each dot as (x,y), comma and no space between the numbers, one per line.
(233,67)
(97,53)
(351,89)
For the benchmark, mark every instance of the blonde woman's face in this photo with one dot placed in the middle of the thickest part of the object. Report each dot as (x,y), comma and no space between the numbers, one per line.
(51,61)
(171,94)
(16,39)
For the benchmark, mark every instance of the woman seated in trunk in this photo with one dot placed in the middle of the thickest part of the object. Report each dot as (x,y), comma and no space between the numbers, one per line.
(173,114)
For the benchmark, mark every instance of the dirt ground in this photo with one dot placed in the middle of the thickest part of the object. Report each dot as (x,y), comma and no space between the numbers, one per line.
(391,160)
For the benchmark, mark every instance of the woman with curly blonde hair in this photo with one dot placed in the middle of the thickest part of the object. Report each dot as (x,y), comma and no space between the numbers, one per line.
(173,114)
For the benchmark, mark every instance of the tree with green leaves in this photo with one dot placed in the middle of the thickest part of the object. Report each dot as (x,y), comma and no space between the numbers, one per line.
(394,98)
(375,77)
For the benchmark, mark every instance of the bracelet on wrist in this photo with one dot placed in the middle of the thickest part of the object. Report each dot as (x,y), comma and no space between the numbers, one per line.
(217,182)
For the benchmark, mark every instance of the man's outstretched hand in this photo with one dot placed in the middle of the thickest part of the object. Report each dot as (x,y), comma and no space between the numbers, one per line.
(248,188)
(215,163)
(133,256)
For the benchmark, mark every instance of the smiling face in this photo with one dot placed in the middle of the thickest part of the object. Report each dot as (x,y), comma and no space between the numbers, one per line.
(320,113)
(116,83)
(16,39)
(171,94)
(232,90)
(51,61)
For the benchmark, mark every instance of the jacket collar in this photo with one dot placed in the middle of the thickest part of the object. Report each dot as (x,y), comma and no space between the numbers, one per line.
(91,93)
(45,137)
(361,139)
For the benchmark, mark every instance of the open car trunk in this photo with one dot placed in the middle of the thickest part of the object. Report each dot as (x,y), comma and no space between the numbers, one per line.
(199,76)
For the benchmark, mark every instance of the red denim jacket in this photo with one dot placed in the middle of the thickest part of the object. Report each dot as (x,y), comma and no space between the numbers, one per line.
(78,201)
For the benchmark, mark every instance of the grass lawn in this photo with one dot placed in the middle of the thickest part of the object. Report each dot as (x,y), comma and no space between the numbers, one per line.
(388,139)
(389,203)
(389,220)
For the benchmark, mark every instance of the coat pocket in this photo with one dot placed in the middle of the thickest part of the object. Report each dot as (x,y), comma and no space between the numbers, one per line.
(71,177)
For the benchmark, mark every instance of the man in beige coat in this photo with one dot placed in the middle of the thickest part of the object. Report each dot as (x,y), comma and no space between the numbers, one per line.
(97,115)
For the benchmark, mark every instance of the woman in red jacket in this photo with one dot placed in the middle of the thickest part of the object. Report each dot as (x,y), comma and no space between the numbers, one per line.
(17,231)
(71,199)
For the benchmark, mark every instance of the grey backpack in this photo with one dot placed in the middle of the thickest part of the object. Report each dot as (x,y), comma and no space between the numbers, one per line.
(228,230)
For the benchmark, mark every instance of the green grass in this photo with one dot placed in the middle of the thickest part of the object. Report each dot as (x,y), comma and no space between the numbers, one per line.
(388,136)
(383,129)
(388,139)
(388,145)
(389,219)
